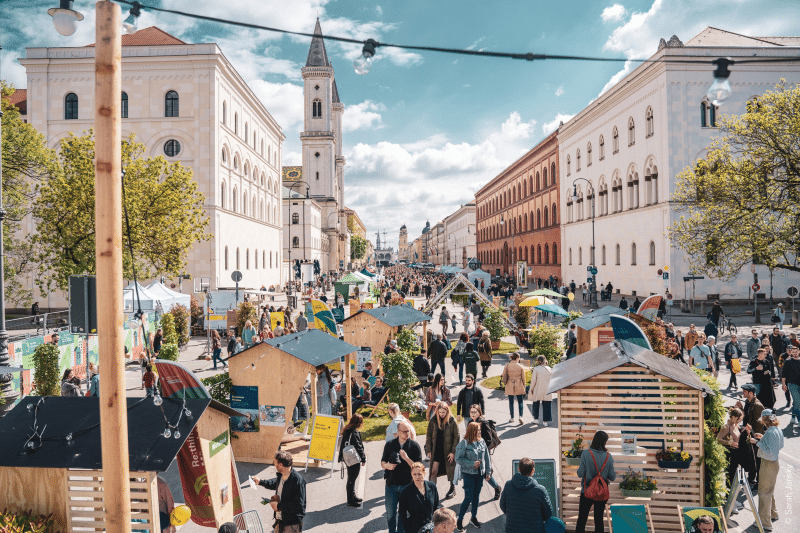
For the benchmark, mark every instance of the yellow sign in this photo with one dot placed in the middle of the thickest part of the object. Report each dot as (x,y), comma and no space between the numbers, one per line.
(216,317)
(666,268)
(324,438)
(274,317)
(571,296)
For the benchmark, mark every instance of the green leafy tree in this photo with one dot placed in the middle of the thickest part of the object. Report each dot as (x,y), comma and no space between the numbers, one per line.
(407,341)
(399,374)
(245,312)
(657,337)
(522,313)
(169,351)
(546,340)
(219,386)
(714,458)
(180,315)
(46,370)
(164,205)
(358,247)
(742,203)
(495,323)
(26,162)
(168,329)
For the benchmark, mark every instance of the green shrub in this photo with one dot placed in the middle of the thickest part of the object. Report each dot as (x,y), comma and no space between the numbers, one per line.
(547,340)
(220,387)
(495,323)
(407,341)
(714,458)
(522,313)
(180,316)
(399,378)
(46,370)
(572,316)
(245,312)
(26,522)
(657,337)
(168,329)
(169,351)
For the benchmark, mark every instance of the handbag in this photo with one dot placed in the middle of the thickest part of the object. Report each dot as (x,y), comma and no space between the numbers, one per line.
(736,366)
(775,319)
(350,455)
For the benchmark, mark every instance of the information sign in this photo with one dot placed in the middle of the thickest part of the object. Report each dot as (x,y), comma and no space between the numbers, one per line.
(324,438)
(545,474)
(362,356)
(629,519)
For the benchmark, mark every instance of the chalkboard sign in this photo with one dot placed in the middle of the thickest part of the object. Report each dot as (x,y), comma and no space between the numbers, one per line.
(629,519)
(544,474)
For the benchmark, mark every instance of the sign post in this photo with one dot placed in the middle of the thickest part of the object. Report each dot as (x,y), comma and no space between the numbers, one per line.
(237,277)
(793,293)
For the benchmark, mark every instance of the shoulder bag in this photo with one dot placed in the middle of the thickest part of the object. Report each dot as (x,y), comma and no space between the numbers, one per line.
(350,454)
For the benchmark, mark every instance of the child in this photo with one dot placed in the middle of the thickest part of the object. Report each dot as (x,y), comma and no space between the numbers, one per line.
(150,381)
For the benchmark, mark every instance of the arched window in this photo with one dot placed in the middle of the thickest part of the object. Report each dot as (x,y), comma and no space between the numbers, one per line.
(295,242)
(295,218)
(631,132)
(270,259)
(124,108)
(234,199)
(568,164)
(652,253)
(246,165)
(649,123)
(316,108)
(708,114)
(172,148)
(525,223)
(589,155)
(264,258)
(171,104)
(224,112)
(553,173)
(236,162)
(533,227)
(633,190)
(570,256)
(618,255)
(603,254)
(226,258)
(236,123)
(546,254)
(555,254)
(633,253)
(578,160)
(602,148)
(546,218)
(554,218)
(246,128)
(71,107)
(580,255)
(538,184)
(544,175)
(247,259)
(237,259)
(651,184)
(615,140)
(222,195)
(525,188)
(539,254)
(538,219)
(244,203)
(255,258)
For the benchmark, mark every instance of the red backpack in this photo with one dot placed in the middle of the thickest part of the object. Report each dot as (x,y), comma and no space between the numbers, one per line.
(597,489)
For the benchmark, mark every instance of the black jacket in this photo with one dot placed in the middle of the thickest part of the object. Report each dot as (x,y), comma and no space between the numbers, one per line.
(437,351)
(355,441)
(421,366)
(293,498)
(477,399)
(416,510)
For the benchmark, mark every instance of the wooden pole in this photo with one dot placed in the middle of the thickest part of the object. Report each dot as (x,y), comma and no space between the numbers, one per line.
(108,244)
(349,390)
(425,335)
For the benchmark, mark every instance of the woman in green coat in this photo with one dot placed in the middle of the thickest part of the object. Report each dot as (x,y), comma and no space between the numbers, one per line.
(440,445)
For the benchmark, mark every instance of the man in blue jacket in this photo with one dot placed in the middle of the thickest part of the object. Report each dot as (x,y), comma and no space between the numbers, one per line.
(525,502)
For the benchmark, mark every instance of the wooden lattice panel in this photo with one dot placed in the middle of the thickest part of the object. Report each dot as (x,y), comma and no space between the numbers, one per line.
(631,399)
(86,508)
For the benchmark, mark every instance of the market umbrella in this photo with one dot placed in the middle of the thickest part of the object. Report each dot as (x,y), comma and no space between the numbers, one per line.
(534,301)
(544,292)
(552,308)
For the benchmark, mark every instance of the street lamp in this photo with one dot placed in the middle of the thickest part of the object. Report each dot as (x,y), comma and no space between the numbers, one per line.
(593,287)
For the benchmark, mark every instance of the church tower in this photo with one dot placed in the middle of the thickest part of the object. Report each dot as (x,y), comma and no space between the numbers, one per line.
(402,247)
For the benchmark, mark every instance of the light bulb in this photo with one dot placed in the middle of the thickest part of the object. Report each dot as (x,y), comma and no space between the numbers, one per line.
(65,18)
(157,400)
(69,437)
(188,414)
(719,91)
(129,25)
(177,434)
(30,445)
(362,64)
(167,433)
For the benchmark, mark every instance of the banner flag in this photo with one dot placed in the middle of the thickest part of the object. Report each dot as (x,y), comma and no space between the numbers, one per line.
(626,329)
(323,318)
(649,307)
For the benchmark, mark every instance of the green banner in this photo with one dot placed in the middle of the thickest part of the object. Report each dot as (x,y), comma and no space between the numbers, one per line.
(217,445)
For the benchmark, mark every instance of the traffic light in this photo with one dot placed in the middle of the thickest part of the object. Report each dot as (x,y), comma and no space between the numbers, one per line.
(297,268)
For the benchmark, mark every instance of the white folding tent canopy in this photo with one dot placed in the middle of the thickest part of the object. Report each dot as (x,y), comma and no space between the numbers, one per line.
(146,298)
(168,297)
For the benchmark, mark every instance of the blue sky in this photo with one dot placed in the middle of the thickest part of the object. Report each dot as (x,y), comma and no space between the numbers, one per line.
(424,131)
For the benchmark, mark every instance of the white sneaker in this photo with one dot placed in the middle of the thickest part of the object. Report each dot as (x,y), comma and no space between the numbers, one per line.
(795,421)
(546,424)
(511,421)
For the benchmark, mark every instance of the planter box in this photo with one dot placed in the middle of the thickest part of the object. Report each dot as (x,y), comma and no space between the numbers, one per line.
(495,345)
(678,465)
(573,461)
(636,493)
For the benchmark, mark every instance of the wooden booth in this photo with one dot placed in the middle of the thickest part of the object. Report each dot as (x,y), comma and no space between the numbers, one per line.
(268,378)
(594,329)
(374,328)
(51,460)
(622,388)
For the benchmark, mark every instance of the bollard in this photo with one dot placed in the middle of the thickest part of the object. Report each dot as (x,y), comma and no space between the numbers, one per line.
(795,320)
(758,316)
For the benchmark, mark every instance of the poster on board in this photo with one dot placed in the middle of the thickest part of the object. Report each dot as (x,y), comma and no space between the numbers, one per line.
(545,474)
(245,400)
(363,355)
(272,415)
(522,274)
(324,437)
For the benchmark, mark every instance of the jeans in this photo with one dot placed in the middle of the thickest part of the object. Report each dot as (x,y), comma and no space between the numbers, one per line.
(473,483)
(794,390)
(216,356)
(583,515)
(511,398)
(460,369)
(732,382)
(392,500)
(352,476)
(547,407)
(435,363)
(150,391)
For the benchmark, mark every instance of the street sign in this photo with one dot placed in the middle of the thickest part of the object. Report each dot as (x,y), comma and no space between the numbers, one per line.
(756,287)
(666,275)
(236,276)
(669,296)
(588,280)
(753,269)
(792,291)
(660,272)
(593,270)
(666,268)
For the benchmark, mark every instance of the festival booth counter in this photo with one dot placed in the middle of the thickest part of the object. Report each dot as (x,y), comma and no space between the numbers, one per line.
(594,329)
(52,461)
(267,380)
(644,401)
(374,328)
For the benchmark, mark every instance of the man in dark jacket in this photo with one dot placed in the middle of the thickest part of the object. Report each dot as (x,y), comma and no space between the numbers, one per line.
(470,395)
(778,343)
(421,366)
(437,352)
(572,340)
(623,304)
(290,487)
(525,502)
(711,329)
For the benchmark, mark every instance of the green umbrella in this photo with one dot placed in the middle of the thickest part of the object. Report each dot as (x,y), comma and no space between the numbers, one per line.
(551,308)
(544,292)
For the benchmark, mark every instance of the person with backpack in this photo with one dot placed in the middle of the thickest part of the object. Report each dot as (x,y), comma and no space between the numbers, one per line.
(489,436)
(352,437)
(485,352)
(472,456)
(456,356)
(596,470)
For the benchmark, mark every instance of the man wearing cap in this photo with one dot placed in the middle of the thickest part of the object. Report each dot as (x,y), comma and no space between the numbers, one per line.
(391,347)
(752,424)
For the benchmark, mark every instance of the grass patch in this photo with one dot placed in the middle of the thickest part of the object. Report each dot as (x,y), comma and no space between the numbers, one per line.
(494,382)
(506,347)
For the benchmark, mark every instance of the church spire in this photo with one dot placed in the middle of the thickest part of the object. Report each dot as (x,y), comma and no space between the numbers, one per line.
(317,56)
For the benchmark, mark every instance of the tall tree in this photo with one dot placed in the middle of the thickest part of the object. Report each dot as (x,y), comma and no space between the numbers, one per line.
(358,247)
(164,208)
(742,203)
(26,162)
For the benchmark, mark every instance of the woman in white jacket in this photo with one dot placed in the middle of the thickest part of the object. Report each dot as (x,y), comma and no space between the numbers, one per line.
(540,381)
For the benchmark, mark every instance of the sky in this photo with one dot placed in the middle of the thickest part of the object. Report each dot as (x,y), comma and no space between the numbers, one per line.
(423,131)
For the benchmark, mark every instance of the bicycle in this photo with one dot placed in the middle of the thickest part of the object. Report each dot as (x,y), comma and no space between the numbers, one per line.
(727,323)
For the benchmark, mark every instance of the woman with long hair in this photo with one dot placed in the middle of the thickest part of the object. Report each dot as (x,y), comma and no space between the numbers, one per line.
(352,435)
(248,334)
(216,343)
(324,385)
(70,385)
(472,455)
(440,444)
(437,393)
(596,459)
(729,436)
(476,414)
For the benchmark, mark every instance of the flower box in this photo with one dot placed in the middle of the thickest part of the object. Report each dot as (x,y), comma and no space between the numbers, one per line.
(677,465)
(636,493)
(573,461)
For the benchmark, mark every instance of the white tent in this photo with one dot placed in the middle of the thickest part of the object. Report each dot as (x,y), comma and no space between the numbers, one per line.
(146,298)
(475,277)
(167,297)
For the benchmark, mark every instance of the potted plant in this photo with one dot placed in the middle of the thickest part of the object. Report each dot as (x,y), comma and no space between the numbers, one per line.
(635,484)
(495,323)
(673,458)
(573,455)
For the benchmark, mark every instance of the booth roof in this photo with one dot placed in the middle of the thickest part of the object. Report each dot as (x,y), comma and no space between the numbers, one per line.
(396,315)
(149,450)
(351,279)
(312,346)
(597,317)
(605,358)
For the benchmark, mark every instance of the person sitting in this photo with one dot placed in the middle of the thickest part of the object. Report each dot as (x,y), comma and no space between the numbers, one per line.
(377,392)
(522,339)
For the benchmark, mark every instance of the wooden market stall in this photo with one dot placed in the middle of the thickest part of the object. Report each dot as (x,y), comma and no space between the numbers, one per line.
(51,460)
(270,375)
(375,327)
(594,329)
(623,388)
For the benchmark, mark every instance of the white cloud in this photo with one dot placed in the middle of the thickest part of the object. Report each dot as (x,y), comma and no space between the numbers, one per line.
(550,127)
(560,91)
(613,13)
(284,101)
(379,10)
(618,76)
(362,116)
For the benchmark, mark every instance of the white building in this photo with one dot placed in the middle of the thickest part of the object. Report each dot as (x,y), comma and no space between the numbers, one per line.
(187,103)
(630,144)
(303,238)
(459,236)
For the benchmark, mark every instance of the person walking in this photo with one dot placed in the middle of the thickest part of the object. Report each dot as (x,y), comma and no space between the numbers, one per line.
(437,351)
(216,346)
(753,344)
(438,392)
(472,455)
(589,468)
(418,500)
(763,373)
(231,343)
(485,352)
(476,415)
(778,316)
(444,521)
(691,338)
(466,321)
(467,397)
(453,321)
(572,340)
(769,446)
(421,366)
(525,502)
(752,409)
(399,455)
(457,356)
(514,379)
(444,319)
(94,380)
(440,445)
(150,381)
(733,355)
(397,419)
(700,355)
(248,333)
(790,378)
(158,339)
(289,507)
(302,322)
(470,360)
(352,436)
(540,381)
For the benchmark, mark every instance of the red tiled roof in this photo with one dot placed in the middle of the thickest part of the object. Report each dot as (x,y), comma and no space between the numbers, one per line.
(151,36)
(20,99)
